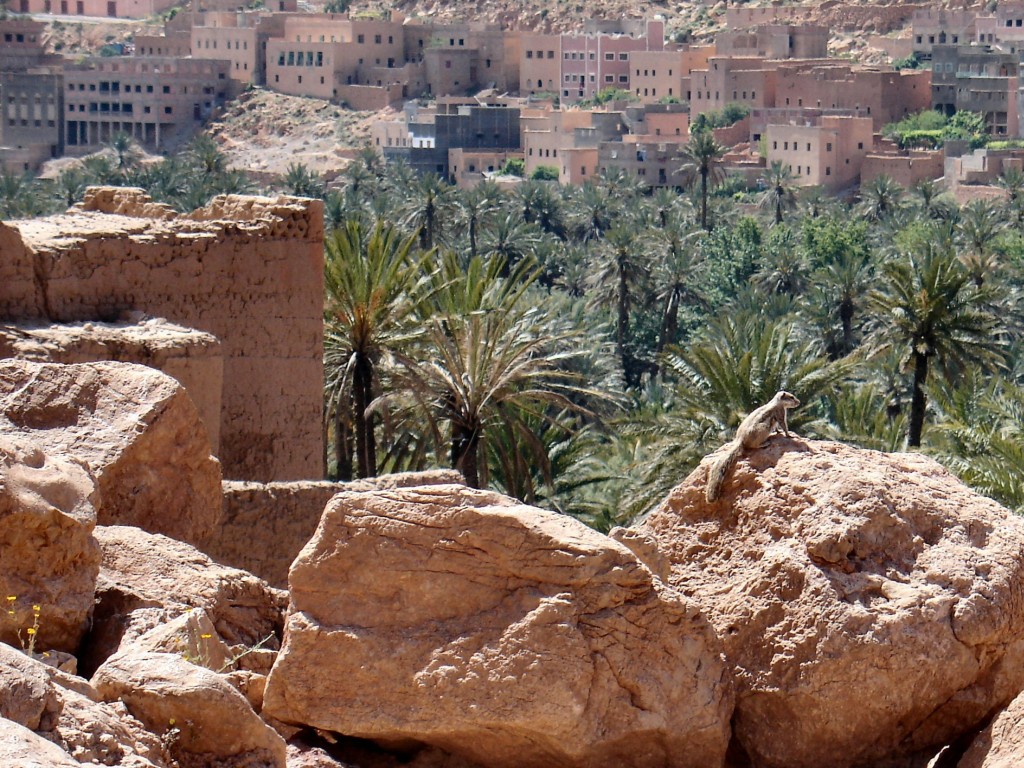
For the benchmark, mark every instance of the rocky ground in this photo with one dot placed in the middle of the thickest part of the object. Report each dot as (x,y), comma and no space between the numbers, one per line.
(834,606)
(265,132)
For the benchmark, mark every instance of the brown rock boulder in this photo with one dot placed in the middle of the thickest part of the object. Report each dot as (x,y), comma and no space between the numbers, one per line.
(21,748)
(1001,744)
(134,427)
(502,633)
(48,556)
(147,580)
(26,694)
(197,711)
(871,605)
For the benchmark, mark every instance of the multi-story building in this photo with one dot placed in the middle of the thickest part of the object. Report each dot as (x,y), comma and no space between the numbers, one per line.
(828,153)
(651,153)
(159,101)
(726,80)
(934,26)
(884,94)
(31,93)
(578,66)
(127,9)
(240,38)
(978,78)
(430,133)
(569,140)
(665,75)
(775,41)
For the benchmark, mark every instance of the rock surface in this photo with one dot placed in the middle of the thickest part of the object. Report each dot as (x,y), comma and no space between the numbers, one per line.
(134,427)
(48,556)
(147,580)
(264,526)
(21,748)
(870,604)
(26,694)
(1001,744)
(197,710)
(508,635)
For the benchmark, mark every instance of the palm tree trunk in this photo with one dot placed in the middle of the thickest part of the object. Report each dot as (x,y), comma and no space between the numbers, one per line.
(846,318)
(465,443)
(917,403)
(704,198)
(669,322)
(342,446)
(366,447)
(778,207)
(622,326)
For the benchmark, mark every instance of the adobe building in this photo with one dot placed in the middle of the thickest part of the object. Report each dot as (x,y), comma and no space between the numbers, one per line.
(125,9)
(934,26)
(31,92)
(577,66)
(775,41)
(160,101)
(240,38)
(569,140)
(748,80)
(665,75)
(977,78)
(905,168)
(828,153)
(450,123)
(245,271)
(884,94)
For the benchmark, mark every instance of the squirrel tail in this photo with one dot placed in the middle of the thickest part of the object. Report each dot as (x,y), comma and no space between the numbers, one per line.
(719,469)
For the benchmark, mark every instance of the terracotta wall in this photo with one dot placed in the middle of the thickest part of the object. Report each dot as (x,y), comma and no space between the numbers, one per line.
(248,270)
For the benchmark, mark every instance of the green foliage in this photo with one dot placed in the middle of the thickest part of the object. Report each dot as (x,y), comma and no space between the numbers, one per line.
(514,166)
(728,115)
(913,61)
(544,173)
(931,129)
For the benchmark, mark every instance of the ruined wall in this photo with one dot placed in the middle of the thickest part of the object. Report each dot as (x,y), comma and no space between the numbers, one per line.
(263,527)
(248,270)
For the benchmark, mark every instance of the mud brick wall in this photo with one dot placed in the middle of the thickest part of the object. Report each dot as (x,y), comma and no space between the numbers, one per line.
(248,270)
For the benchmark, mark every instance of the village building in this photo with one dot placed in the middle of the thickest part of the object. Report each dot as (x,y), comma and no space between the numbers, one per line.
(977,78)
(828,153)
(157,100)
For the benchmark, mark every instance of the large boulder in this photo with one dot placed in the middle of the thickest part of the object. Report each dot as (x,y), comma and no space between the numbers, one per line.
(49,559)
(27,695)
(196,710)
(21,748)
(134,427)
(1001,744)
(502,633)
(871,605)
(147,580)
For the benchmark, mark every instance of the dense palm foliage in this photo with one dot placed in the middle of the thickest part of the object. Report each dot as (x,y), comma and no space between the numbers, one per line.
(583,348)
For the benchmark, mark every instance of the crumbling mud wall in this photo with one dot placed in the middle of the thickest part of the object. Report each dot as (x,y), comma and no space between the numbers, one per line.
(248,270)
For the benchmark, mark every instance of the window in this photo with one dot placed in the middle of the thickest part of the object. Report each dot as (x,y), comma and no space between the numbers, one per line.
(785,145)
(167,89)
(623,78)
(775,145)
(167,110)
(377,39)
(360,38)
(828,170)
(860,145)
(828,146)
(529,54)
(623,57)
(609,57)
(809,146)
(551,54)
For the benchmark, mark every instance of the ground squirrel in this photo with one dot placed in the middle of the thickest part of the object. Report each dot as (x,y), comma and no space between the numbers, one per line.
(753,432)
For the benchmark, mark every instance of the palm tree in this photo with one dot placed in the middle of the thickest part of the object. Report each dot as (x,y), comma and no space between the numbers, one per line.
(677,273)
(700,156)
(203,152)
(980,223)
(70,186)
(19,195)
(1012,181)
(839,294)
(594,211)
(495,360)
(540,204)
(880,198)
(124,149)
(474,208)
(429,208)
(930,200)
(619,269)
(302,182)
(371,281)
(510,239)
(780,193)
(929,309)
